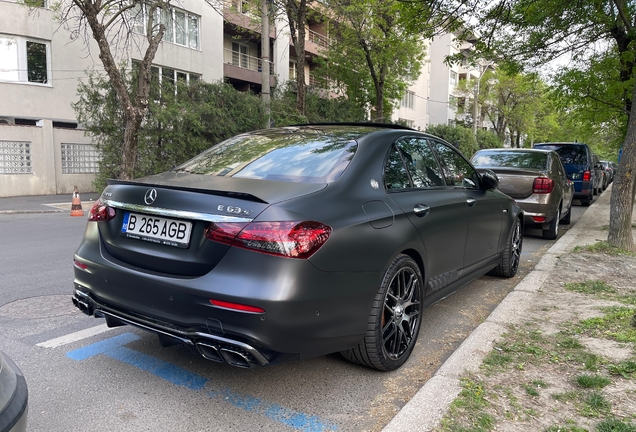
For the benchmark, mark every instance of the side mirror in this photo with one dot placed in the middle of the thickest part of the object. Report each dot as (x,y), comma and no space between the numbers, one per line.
(490,179)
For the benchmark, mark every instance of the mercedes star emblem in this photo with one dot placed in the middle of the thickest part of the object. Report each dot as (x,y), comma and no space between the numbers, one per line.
(150,196)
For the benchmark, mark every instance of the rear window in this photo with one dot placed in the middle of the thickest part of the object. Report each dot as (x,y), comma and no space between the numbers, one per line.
(510,159)
(306,156)
(570,154)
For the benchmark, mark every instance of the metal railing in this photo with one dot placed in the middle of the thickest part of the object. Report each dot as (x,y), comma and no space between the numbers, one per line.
(245,61)
(319,39)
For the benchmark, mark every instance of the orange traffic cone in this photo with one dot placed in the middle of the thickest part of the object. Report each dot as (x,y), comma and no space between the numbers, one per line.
(76,204)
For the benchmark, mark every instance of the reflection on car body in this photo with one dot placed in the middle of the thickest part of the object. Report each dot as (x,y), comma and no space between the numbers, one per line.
(345,233)
(537,180)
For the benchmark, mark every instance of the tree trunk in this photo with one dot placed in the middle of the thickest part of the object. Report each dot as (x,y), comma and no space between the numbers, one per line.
(134,110)
(621,202)
(297,16)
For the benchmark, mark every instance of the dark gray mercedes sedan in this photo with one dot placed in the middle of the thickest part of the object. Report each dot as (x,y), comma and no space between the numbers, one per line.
(296,242)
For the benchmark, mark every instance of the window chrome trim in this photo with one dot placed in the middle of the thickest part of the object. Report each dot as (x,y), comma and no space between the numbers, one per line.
(178,214)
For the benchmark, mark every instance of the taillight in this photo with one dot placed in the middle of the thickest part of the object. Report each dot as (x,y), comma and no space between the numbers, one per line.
(542,185)
(101,212)
(587,175)
(287,239)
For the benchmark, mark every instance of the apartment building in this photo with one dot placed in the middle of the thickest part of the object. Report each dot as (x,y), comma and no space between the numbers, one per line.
(43,149)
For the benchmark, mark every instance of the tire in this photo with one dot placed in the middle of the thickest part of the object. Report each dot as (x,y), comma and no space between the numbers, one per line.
(395,318)
(565,220)
(553,231)
(509,264)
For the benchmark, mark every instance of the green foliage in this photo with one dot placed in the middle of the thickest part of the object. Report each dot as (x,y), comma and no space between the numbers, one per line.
(627,369)
(372,57)
(487,139)
(603,247)
(469,411)
(592,381)
(595,404)
(615,425)
(317,109)
(461,137)
(182,121)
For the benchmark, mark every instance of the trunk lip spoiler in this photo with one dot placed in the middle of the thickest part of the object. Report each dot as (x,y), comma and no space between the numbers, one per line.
(178,214)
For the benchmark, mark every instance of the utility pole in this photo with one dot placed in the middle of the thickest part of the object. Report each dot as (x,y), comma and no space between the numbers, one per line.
(265,62)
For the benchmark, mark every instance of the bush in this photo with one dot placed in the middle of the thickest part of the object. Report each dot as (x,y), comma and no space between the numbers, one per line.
(461,137)
(487,139)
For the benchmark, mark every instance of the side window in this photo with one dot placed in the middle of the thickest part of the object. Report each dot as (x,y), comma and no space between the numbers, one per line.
(420,162)
(457,170)
(395,175)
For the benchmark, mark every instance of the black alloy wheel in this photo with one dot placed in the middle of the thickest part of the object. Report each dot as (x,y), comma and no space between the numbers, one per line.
(512,253)
(395,319)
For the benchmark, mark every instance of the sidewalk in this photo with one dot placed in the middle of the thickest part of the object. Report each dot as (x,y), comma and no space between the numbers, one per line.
(425,410)
(43,203)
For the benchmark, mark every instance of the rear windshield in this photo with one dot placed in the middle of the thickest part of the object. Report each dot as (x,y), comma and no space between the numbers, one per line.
(569,153)
(306,156)
(511,159)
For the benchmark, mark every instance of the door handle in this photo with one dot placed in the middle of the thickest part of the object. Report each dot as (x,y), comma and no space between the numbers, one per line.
(470,201)
(421,210)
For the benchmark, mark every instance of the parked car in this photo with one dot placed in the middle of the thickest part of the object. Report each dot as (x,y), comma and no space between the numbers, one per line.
(579,165)
(295,242)
(13,396)
(537,180)
(609,171)
(600,174)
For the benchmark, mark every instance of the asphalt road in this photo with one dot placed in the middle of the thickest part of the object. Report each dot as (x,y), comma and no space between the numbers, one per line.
(122,379)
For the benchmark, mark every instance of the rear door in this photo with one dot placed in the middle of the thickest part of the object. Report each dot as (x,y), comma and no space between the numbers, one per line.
(415,182)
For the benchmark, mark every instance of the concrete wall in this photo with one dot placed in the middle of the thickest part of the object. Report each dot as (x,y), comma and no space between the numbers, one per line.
(46,177)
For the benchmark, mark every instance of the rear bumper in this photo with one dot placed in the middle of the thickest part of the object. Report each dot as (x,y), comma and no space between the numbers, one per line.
(210,346)
(308,312)
(539,206)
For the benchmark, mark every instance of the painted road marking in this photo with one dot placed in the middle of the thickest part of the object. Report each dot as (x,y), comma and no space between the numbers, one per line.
(294,419)
(74,337)
(115,349)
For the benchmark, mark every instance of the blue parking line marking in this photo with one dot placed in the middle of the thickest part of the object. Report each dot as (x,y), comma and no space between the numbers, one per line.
(102,346)
(162,369)
(115,349)
(294,419)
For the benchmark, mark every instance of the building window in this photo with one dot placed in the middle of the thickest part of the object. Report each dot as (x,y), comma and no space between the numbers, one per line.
(241,6)
(24,60)
(453,78)
(181,27)
(79,159)
(408,123)
(292,69)
(15,157)
(408,101)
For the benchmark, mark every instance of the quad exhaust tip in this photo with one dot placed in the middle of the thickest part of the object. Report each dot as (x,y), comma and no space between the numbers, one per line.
(211,351)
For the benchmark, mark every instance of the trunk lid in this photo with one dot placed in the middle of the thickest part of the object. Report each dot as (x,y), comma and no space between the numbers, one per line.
(173,219)
(517,183)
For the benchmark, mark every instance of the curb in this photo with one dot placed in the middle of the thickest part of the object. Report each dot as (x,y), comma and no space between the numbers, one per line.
(429,405)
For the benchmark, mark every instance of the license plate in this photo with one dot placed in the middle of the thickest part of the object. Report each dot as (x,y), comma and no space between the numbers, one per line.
(155,229)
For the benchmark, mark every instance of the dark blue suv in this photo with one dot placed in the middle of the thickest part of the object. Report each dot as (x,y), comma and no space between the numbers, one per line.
(579,165)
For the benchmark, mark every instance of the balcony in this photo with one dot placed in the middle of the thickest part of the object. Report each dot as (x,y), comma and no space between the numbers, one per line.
(319,39)
(244,67)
